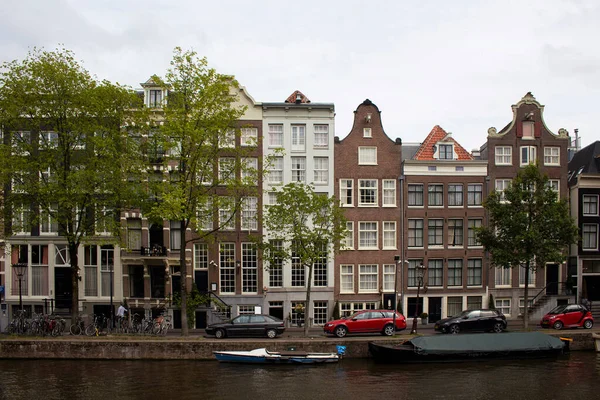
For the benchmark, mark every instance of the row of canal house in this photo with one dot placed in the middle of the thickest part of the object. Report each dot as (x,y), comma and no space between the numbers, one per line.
(414,206)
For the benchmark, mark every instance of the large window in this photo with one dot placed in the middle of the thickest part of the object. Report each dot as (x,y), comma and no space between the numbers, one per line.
(503,276)
(435,232)
(320,270)
(475,194)
(321,136)
(276,267)
(249,170)
(320,312)
(455,195)
(389,192)
(415,233)
(226,216)
(276,171)
(367,235)
(412,272)
(367,278)
(367,192)
(552,156)
(455,305)
(155,98)
(455,272)
(415,194)
(226,169)
(275,135)
(474,302)
(298,137)
(321,170)
(503,305)
(200,256)
(530,275)
(349,238)
(249,268)
(249,137)
(445,152)
(474,272)
(589,237)
(367,155)
(435,273)
(49,224)
(346,192)
(501,186)
(455,232)
(39,270)
(249,214)
(347,278)
(175,235)
(298,271)
(472,232)
(436,195)
(503,155)
(389,273)
(227,267)
(590,205)
(389,235)
(107,264)
(298,169)
(528,155)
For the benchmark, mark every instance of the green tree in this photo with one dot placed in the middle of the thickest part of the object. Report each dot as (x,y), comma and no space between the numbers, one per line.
(199,129)
(66,162)
(528,226)
(303,228)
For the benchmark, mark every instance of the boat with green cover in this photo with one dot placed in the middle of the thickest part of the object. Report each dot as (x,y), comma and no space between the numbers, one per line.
(465,347)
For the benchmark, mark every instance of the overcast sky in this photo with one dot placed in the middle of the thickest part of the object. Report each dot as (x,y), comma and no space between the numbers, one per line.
(455,63)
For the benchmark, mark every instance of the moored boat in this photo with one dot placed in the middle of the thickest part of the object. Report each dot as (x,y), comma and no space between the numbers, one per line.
(263,356)
(445,348)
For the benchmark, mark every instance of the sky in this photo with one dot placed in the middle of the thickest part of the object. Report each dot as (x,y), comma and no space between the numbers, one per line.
(459,64)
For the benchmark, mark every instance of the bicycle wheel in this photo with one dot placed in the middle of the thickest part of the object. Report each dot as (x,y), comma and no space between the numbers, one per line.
(90,330)
(75,329)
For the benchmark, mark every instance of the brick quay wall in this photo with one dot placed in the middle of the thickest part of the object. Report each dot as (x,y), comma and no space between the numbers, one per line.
(116,348)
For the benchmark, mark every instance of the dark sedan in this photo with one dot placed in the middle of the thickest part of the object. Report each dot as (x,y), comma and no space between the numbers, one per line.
(246,326)
(473,320)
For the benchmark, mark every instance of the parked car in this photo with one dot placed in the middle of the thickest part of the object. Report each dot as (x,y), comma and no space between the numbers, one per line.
(366,321)
(473,320)
(568,316)
(248,325)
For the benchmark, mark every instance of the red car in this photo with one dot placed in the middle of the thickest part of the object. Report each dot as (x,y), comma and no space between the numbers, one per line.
(366,321)
(568,316)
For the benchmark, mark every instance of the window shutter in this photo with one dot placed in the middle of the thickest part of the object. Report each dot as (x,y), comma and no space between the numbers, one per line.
(537,129)
(520,129)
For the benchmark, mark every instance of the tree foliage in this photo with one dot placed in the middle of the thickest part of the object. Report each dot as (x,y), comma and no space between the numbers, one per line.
(66,161)
(528,225)
(304,227)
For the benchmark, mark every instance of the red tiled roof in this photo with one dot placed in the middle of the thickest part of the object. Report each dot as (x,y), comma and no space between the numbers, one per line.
(292,97)
(437,134)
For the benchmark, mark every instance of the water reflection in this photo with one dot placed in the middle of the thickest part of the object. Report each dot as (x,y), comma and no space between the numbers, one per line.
(575,376)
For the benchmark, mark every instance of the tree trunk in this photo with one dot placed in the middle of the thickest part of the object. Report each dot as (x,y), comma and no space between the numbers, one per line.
(307,305)
(525,297)
(183,280)
(74,282)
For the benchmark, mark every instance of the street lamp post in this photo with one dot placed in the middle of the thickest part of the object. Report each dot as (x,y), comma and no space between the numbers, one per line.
(419,272)
(20,269)
(112,314)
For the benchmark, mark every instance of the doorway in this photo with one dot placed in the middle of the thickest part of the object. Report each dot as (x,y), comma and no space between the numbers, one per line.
(434,309)
(63,287)
(552,279)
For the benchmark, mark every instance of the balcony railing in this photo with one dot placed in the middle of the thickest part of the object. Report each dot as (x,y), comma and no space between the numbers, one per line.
(154,251)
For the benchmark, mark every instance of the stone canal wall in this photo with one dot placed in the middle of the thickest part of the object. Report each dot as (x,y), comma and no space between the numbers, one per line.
(196,349)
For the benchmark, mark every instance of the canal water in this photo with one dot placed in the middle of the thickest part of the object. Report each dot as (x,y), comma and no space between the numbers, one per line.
(576,376)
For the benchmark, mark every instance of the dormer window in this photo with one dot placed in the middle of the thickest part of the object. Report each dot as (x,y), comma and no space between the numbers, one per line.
(155,98)
(445,152)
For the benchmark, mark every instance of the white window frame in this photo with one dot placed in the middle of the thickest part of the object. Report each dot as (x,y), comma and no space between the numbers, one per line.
(503,277)
(298,169)
(321,170)
(225,213)
(532,275)
(368,278)
(249,170)
(298,137)
(321,136)
(349,237)
(367,133)
(366,185)
(201,260)
(275,135)
(389,192)
(554,184)
(48,140)
(552,156)
(503,155)
(227,139)
(389,275)
(249,137)
(501,185)
(227,258)
(367,155)
(347,191)
(249,218)
(389,235)
(531,154)
(226,169)
(347,278)
(503,305)
(276,171)
(368,235)
(439,151)
(591,203)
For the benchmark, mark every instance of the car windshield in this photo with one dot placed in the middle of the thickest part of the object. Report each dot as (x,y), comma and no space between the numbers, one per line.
(557,310)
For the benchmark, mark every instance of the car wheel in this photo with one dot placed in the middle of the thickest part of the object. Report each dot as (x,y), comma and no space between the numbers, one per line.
(271,333)
(219,333)
(557,325)
(388,330)
(341,331)
(454,329)
(498,327)
(588,324)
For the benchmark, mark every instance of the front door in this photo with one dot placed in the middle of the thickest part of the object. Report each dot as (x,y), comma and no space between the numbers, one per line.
(201,279)
(63,287)
(435,309)
(552,279)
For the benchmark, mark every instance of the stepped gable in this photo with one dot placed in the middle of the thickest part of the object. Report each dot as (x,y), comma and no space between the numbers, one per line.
(293,98)
(436,135)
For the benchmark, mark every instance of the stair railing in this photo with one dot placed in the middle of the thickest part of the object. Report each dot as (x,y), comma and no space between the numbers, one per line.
(220,303)
(561,285)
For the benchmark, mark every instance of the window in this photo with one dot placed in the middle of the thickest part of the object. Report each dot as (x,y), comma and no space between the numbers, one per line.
(249,172)
(107,264)
(320,270)
(275,135)
(435,232)
(155,99)
(276,171)
(445,152)
(200,256)
(521,305)
(246,310)
(276,267)
(48,140)
(455,305)
(298,271)
(321,136)
(503,276)
(346,195)
(459,168)
(298,138)
(554,185)
(475,194)
(205,215)
(367,278)
(412,272)
(389,274)
(455,232)
(49,224)
(226,217)
(474,272)
(590,205)
(455,195)
(473,224)
(455,272)
(227,267)
(367,192)
(528,129)
(503,155)
(473,302)
(415,195)
(249,137)
(321,170)
(175,235)
(347,278)
(39,270)
(298,169)
(530,278)
(367,132)
(435,195)
(320,312)
(431,168)
(134,233)
(249,268)
(367,155)
(501,186)
(297,315)
(349,239)
(367,235)
(389,192)
(415,233)
(552,156)
(589,237)
(226,169)
(435,272)
(503,305)
(249,213)
(227,139)
(528,155)
(389,235)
